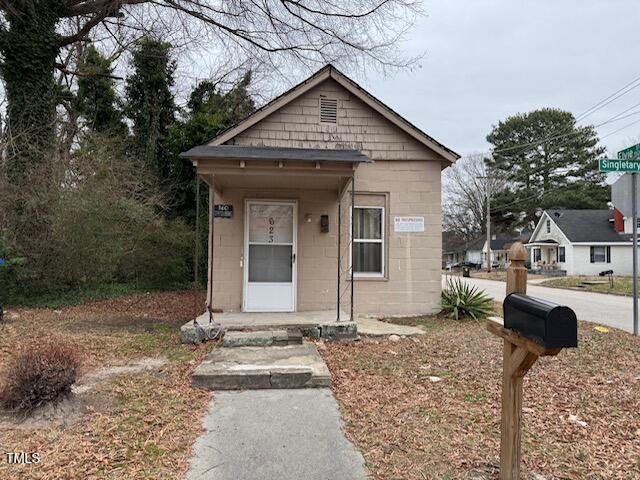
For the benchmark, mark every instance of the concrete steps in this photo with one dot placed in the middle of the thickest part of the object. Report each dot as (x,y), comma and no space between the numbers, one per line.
(263,338)
(262,367)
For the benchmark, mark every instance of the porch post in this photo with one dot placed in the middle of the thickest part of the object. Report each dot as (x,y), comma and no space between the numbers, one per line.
(353,251)
(339,247)
(212,201)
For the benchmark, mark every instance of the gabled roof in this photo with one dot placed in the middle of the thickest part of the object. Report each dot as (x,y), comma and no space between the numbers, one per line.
(584,226)
(329,71)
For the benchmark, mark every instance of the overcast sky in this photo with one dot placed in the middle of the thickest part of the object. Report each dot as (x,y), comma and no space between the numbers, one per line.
(488,59)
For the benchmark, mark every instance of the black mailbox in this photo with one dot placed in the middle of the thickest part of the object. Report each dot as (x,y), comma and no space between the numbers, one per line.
(547,324)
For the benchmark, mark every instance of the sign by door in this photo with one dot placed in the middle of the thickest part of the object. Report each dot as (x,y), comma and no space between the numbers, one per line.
(223,210)
(408,224)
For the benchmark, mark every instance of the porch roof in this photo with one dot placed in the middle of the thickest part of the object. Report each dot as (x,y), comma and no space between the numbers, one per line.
(543,243)
(227,152)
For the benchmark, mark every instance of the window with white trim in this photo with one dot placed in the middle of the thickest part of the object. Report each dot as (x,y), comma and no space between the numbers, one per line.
(600,254)
(561,255)
(548,226)
(368,238)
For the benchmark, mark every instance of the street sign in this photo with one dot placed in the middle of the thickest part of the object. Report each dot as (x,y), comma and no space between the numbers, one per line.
(618,165)
(631,153)
(629,161)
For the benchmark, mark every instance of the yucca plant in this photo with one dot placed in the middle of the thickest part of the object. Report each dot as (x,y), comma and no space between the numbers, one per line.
(461,300)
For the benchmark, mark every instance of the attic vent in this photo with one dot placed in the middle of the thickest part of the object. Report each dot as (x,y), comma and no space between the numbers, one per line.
(328,110)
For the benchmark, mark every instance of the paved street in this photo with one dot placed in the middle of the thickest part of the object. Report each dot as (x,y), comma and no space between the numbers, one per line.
(611,310)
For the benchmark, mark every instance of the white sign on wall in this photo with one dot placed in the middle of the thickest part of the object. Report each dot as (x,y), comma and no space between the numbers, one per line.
(408,224)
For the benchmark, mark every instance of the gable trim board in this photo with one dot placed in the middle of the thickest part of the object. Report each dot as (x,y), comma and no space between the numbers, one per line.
(545,216)
(330,72)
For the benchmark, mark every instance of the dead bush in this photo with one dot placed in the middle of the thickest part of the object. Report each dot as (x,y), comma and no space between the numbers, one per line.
(39,373)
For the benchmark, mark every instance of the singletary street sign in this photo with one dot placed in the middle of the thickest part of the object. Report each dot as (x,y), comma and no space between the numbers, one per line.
(616,165)
(628,161)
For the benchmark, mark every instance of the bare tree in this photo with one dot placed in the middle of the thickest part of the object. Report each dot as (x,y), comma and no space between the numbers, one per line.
(465,186)
(35,35)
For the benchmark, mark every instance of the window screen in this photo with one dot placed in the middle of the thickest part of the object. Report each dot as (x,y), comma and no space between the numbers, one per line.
(561,255)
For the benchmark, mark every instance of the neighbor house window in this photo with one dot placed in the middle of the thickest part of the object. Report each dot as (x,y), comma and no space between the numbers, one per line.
(368,238)
(548,226)
(638,222)
(537,255)
(561,255)
(600,254)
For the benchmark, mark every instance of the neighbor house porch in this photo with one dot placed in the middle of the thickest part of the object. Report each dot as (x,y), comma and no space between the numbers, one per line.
(547,257)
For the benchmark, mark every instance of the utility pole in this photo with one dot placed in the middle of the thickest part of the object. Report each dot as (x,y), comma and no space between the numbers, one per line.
(628,161)
(488,228)
(634,214)
(488,192)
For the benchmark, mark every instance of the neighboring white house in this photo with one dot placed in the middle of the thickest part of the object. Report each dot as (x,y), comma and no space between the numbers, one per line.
(455,251)
(500,245)
(581,242)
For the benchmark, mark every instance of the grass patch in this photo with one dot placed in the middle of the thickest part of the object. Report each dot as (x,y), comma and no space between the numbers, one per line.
(77,296)
(621,285)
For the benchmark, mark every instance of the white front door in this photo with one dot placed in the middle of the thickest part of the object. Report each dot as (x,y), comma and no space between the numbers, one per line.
(270,254)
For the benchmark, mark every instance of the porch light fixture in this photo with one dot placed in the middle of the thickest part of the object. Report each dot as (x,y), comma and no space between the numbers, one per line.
(307,218)
(324,223)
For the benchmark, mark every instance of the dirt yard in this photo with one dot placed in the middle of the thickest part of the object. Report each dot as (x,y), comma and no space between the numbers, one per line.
(424,408)
(134,413)
(429,408)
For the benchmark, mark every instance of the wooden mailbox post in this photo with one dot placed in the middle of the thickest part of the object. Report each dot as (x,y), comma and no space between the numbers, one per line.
(520,352)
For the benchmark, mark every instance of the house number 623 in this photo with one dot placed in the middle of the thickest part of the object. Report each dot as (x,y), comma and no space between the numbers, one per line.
(271,229)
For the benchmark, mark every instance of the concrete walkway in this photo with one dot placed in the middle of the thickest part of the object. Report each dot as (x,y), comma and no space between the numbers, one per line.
(275,435)
(373,327)
(612,310)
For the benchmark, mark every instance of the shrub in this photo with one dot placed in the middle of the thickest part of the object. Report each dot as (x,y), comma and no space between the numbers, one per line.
(461,300)
(38,374)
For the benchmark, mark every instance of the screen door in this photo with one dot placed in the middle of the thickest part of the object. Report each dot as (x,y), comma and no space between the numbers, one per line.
(270,254)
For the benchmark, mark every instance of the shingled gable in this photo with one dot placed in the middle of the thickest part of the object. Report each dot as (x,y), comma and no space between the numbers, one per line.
(329,72)
(582,226)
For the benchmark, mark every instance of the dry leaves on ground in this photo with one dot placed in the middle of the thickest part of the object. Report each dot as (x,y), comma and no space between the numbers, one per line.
(135,426)
(410,426)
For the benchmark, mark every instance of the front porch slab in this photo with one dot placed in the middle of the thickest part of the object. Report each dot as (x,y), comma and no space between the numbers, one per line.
(315,324)
(255,368)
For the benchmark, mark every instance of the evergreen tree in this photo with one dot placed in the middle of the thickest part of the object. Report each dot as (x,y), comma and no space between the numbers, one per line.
(548,161)
(150,104)
(209,112)
(97,100)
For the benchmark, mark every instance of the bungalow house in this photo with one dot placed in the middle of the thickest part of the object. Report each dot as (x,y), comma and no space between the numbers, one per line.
(456,251)
(325,200)
(580,242)
(500,245)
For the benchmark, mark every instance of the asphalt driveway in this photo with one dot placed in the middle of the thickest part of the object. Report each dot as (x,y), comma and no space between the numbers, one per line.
(611,310)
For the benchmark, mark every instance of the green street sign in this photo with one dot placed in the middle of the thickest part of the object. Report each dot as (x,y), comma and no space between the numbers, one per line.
(617,165)
(628,161)
(631,153)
